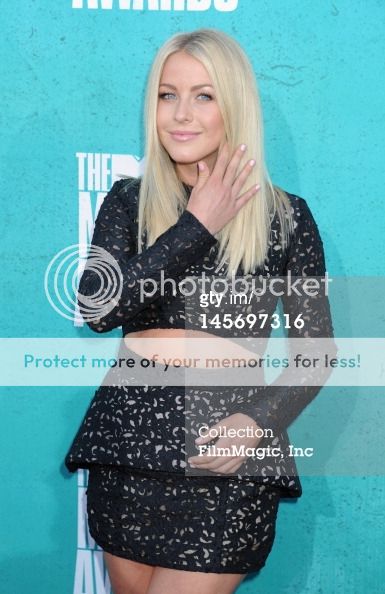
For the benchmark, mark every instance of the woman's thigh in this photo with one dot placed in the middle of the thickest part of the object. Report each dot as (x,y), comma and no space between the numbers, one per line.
(164,581)
(126,576)
(131,577)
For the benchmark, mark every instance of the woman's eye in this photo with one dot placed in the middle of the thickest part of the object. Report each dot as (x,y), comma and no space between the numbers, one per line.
(167,95)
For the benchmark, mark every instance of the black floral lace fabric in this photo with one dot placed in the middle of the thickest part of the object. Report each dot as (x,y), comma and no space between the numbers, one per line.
(188,248)
(222,526)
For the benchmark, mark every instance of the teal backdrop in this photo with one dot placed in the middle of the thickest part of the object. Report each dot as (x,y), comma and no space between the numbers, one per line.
(72,82)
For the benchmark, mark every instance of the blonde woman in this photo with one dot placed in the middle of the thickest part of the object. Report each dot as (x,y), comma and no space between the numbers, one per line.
(204,203)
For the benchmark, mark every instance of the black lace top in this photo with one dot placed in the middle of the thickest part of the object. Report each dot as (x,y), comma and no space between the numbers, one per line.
(187,248)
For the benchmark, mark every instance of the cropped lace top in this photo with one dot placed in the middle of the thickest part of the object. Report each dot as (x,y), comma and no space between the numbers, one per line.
(188,248)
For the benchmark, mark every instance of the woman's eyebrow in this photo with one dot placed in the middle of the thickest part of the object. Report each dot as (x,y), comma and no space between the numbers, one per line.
(192,88)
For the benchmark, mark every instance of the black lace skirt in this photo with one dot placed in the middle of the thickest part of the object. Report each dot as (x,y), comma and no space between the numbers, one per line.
(196,523)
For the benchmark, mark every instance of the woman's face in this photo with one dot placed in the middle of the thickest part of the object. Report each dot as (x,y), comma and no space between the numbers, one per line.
(185,108)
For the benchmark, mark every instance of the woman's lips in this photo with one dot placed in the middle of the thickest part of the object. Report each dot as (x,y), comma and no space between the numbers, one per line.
(183,137)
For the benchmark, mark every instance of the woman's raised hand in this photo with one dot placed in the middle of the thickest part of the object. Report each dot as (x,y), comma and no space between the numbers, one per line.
(215,199)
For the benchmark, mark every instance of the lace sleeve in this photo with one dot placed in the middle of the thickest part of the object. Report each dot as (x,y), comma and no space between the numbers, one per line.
(278,405)
(174,250)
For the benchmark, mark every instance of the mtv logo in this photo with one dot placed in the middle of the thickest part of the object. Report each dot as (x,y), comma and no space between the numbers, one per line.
(126,166)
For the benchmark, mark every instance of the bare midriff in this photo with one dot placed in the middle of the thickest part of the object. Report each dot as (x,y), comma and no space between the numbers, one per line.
(155,341)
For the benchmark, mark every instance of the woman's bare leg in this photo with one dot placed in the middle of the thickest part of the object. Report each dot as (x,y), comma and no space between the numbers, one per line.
(164,581)
(126,576)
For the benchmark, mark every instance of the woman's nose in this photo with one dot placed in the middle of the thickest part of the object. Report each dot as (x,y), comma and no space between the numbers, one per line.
(183,111)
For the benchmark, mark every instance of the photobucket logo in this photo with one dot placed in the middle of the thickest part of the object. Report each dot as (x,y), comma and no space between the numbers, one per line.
(102,282)
(252,286)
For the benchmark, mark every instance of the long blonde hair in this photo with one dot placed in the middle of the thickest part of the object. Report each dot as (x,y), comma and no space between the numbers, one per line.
(244,240)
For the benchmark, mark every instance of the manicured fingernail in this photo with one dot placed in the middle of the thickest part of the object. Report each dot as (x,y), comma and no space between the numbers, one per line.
(257,186)
(243,147)
(252,163)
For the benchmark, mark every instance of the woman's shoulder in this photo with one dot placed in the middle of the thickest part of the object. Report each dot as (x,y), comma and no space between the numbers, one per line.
(305,242)
(128,186)
(296,203)
(297,207)
(126,191)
